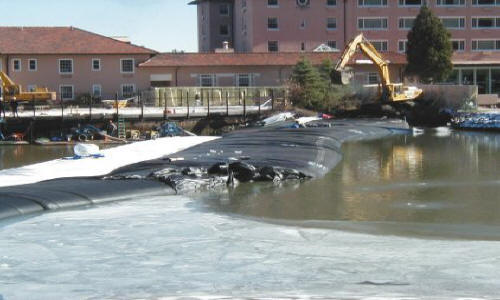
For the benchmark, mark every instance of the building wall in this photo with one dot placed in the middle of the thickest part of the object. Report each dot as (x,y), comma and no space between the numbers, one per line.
(47,74)
(261,75)
(209,22)
(290,34)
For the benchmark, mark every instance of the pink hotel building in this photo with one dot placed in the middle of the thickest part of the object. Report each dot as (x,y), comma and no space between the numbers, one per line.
(305,25)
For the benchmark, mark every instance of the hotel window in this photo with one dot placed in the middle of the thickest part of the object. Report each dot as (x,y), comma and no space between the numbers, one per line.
(66,92)
(96,90)
(272,23)
(406,23)
(16,65)
(380,45)
(272,46)
(332,44)
(128,90)
(127,65)
(458,45)
(372,78)
(303,46)
(453,23)
(272,3)
(331,2)
(402,44)
(207,80)
(410,2)
(244,80)
(372,23)
(486,2)
(486,22)
(450,2)
(331,23)
(224,9)
(65,66)
(224,30)
(96,64)
(486,45)
(32,64)
(372,2)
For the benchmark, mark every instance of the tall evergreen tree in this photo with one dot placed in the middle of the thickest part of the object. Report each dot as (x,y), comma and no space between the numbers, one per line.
(312,85)
(429,48)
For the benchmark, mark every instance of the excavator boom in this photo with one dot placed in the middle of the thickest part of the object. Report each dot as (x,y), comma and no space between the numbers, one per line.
(389,91)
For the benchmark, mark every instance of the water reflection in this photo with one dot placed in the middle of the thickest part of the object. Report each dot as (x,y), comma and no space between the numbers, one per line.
(426,179)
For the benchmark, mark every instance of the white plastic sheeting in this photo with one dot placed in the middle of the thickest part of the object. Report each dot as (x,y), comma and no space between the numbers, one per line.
(113,159)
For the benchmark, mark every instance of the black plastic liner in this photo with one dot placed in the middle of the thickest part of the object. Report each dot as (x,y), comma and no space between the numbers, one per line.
(262,154)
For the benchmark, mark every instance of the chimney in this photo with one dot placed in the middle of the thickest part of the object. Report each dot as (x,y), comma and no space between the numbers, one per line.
(225,45)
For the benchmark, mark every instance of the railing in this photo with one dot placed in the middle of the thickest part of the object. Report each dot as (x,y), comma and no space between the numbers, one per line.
(180,102)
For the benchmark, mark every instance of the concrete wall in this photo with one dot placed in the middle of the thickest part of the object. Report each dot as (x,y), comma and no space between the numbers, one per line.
(83,77)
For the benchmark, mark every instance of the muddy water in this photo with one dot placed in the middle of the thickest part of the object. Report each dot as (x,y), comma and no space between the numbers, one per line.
(443,184)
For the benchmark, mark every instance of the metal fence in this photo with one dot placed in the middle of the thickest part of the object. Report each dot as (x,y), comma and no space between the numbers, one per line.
(163,102)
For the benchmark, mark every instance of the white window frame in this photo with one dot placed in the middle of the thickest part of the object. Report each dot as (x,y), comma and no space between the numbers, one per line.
(455,17)
(370,74)
(29,64)
(228,9)
(450,5)
(406,17)
(497,3)
(405,43)
(372,5)
(373,18)
(380,41)
(100,90)
(213,80)
(92,66)
(497,23)
(410,5)
(14,65)
(59,66)
(330,5)
(277,24)
(481,50)
(121,66)
(72,91)
(460,40)
(127,84)
(273,6)
(327,23)
(334,42)
(238,76)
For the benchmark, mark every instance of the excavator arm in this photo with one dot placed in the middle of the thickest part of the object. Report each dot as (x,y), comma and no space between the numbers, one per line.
(12,91)
(388,91)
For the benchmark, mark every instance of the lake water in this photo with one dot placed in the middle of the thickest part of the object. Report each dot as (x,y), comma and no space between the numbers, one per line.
(405,216)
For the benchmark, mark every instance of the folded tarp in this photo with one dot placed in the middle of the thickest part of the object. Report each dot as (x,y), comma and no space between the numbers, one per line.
(247,155)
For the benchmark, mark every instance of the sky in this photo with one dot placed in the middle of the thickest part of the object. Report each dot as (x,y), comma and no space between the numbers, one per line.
(162,25)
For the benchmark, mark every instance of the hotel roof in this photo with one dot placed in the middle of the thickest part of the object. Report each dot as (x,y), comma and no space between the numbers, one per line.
(62,40)
(252,59)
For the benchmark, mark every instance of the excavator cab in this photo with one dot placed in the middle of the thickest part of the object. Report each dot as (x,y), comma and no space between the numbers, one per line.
(388,91)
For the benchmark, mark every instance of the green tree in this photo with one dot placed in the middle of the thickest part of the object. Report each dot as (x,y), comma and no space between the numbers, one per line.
(309,85)
(429,49)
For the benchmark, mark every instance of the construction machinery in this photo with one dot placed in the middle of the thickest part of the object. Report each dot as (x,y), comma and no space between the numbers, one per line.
(12,91)
(388,92)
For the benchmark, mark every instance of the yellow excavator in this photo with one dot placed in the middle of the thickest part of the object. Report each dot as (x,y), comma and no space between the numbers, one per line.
(388,92)
(12,91)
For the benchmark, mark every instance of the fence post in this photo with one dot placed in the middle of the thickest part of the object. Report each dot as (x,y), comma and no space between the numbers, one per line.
(116,103)
(227,103)
(34,109)
(90,108)
(245,105)
(165,106)
(187,103)
(259,102)
(210,95)
(141,102)
(272,99)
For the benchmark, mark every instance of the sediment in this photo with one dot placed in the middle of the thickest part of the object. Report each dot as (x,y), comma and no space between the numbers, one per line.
(276,153)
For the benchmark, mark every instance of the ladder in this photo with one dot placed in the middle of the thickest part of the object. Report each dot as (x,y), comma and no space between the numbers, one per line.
(122,134)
